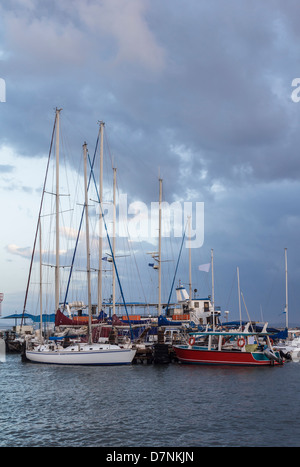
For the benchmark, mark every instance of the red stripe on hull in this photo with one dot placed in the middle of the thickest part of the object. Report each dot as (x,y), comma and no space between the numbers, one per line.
(215,357)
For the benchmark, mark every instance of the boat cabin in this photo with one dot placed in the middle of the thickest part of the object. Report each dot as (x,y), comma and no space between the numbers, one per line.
(198,310)
(240,340)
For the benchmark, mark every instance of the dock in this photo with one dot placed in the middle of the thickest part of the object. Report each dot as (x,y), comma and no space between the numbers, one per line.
(158,354)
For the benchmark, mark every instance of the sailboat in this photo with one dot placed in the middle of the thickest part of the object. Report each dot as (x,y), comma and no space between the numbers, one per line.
(78,353)
(290,345)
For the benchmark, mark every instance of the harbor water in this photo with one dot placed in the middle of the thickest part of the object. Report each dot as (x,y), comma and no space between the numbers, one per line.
(140,405)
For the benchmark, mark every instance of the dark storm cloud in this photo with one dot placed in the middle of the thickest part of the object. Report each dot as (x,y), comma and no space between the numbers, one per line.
(213,77)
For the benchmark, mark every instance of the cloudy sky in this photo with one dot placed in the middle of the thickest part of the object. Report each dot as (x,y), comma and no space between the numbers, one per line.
(199,92)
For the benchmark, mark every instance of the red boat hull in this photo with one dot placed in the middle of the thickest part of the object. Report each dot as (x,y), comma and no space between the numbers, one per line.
(214,357)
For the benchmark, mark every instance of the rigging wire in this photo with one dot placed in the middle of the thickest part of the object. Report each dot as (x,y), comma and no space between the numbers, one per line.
(112,254)
(38,223)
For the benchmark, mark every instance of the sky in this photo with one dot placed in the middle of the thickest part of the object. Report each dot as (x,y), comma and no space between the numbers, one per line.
(201,93)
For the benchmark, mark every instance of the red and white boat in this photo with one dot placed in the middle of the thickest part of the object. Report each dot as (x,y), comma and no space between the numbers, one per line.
(233,347)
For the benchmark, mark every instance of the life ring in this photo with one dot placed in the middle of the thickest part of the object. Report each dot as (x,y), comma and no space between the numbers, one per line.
(241,342)
(271,341)
(192,341)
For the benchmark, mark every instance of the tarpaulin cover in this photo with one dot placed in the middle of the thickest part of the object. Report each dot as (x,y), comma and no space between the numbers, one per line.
(162,321)
(61,319)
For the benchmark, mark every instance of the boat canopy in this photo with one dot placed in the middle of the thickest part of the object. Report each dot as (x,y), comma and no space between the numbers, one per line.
(228,333)
(162,321)
(47,318)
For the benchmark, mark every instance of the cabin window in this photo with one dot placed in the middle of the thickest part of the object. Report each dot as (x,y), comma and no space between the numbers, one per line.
(196,304)
(206,306)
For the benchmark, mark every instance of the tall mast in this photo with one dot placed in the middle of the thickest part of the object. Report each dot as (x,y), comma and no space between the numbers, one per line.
(114,243)
(213,286)
(87,241)
(239,293)
(286,291)
(100,220)
(41,282)
(159,247)
(57,212)
(37,227)
(190,259)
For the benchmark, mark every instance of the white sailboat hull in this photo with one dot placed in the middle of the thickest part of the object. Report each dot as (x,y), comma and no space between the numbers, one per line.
(83,354)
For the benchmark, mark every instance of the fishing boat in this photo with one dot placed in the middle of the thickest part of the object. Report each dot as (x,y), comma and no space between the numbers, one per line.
(77,352)
(198,311)
(232,347)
